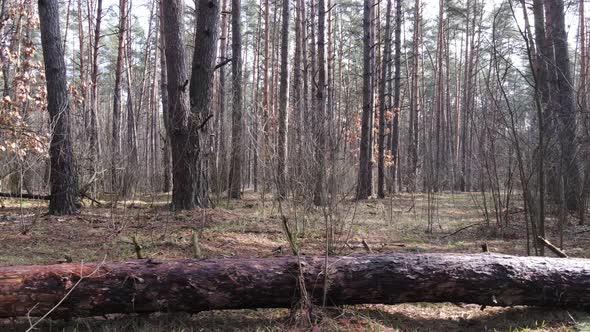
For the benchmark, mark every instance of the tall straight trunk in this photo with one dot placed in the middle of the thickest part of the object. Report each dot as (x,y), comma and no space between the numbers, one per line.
(396,94)
(219,169)
(550,95)
(82,65)
(183,143)
(146,89)
(116,125)
(542,52)
(382,103)
(363,184)
(255,110)
(565,112)
(465,103)
(542,62)
(313,87)
(374,65)
(434,182)
(265,93)
(201,95)
(583,102)
(414,101)
(297,90)
(3,56)
(320,158)
(154,110)
(536,70)
(132,159)
(235,171)
(64,191)
(305,64)
(274,77)
(167,155)
(330,125)
(95,147)
(282,139)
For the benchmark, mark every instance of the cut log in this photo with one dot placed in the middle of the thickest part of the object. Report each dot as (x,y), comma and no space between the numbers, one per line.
(194,285)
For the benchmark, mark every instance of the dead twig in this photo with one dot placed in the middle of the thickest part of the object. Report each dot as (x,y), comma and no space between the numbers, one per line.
(461,229)
(366,246)
(552,247)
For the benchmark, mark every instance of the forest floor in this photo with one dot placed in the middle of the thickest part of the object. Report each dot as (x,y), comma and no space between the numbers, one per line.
(252,227)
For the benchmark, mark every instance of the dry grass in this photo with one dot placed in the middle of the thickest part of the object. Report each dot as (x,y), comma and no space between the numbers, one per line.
(251,228)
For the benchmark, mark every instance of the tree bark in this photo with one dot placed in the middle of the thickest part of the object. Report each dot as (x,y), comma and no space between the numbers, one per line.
(396,95)
(363,189)
(218,159)
(201,97)
(116,130)
(237,153)
(320,125)
(166,153)
(129,181)
(94,141)
(383,103)
(143,286)
(178,106)
(565,111)
(64,193)
(414,101)
(283,112)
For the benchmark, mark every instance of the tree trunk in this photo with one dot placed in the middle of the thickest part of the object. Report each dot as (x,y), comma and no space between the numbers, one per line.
(363,184)
(320,125)
(166,153)
(95,154)
(281,182)
(116,130)
(201,97)
(144,286)
(434,181)
(219,160)
(414,101)
(396,94)
(583,111)
(565,112)
(298,101)
(64,193)
(129,181)
(82,66)
(264,144)
(235,171)
(382,103)
(183,179)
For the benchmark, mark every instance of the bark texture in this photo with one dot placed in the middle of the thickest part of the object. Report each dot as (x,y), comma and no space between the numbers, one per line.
(237,137)
(64,192)
(320,96)
(144,286)
(116,128)
(363,188)
(201,96)
(283,111)
(178,106)
(565,111)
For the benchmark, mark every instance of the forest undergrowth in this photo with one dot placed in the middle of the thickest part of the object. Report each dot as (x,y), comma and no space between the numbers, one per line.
(253,227)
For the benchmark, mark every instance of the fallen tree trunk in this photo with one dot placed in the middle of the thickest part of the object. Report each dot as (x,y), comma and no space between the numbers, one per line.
(144,286)
(25,196)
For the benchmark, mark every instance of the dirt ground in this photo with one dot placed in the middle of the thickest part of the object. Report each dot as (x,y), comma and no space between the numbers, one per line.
(252,227)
